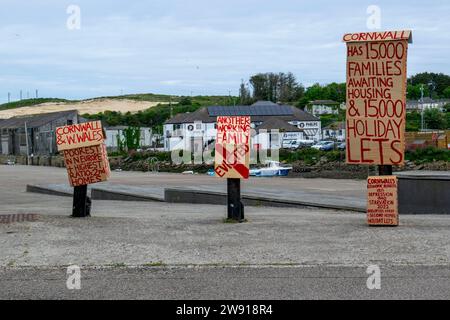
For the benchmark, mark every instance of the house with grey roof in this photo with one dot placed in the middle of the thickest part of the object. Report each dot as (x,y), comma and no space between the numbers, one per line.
(196,130)
(334,131)
(320,107)
(33,134)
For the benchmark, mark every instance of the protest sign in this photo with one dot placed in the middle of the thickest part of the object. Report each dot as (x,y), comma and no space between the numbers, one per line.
(84,153)
(376,97)
(382,201)
(232,153)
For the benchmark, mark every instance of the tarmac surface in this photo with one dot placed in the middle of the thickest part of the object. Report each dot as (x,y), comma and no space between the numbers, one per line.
(155,250)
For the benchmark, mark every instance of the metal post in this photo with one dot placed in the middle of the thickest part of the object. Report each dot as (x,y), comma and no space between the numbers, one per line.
(385,170)
(81,203)
(234,204)
(28,148)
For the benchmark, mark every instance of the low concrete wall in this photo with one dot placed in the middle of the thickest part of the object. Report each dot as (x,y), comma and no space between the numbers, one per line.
(102,194)
(50,161)
(424,194)
(209,197)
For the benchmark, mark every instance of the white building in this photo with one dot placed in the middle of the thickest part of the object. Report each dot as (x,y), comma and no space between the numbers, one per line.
(320,107)
(426,103)
(148,139)
(194,131)
(335,131)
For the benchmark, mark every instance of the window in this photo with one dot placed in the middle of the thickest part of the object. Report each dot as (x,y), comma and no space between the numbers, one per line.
(198,126)
(22,139)
(69,122)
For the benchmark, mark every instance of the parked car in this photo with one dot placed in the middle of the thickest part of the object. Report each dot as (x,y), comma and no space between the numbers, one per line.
(324,145)
(341,146)
(298,144)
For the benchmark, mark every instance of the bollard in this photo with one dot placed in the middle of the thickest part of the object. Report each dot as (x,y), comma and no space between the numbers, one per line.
(81,204)
(234,205)
(385,170)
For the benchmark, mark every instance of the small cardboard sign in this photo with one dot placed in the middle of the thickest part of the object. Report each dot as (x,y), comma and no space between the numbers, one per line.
(232,153)
(84,152)
(376,97)
(87,165)
(79,135)
(382,201)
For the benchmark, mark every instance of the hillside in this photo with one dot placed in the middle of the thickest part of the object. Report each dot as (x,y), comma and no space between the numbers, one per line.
(126,103)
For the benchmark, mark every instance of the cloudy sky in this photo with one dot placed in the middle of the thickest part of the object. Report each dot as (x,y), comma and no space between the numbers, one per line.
(196,47)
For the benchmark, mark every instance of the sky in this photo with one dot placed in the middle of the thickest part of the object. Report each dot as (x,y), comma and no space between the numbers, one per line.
(196,47)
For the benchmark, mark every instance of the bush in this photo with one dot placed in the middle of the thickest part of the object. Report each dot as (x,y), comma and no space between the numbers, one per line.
(310,156)
(428,154)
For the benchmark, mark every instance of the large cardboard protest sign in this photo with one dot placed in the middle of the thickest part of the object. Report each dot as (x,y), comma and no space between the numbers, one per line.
(232,153)
(376,97)
(84,153)
(87,165)
(79,135)
(382,201)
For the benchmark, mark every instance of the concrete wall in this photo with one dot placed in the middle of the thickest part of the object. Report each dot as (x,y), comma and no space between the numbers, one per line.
(53,161)
(424,194)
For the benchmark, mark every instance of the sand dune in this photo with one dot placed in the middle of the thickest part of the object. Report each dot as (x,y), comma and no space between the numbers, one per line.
(86,106)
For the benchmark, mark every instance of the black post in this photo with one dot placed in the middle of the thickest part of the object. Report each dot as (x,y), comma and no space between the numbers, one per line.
(235,206)
(81,203)
(385,170)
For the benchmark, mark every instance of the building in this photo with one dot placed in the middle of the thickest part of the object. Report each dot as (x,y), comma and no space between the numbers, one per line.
(320,107)
(334,131)
(194,131)
(148,139)
(426,103)
(33,134)
(277,133)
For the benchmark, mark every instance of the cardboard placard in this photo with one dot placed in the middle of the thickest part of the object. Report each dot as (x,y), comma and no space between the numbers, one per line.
(382,201)
(232,154)
(79,135)
(87,165)
(376,97)
(84,152)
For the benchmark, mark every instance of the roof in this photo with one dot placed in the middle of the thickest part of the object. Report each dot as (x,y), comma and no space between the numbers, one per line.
(276,123)
(324,102)
(253,110)
(114,128)
(258,113)
(35,120)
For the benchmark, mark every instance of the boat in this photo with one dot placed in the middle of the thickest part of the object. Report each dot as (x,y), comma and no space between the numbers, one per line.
(272,169)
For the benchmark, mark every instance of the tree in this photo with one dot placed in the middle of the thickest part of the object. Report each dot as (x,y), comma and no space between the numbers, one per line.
(131,138)
(446,93)
(244,94)
(260,87)
(440,82)
(276,87)
(435,119)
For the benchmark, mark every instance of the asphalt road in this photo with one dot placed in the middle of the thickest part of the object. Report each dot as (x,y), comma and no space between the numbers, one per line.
(280,253)
(205,283)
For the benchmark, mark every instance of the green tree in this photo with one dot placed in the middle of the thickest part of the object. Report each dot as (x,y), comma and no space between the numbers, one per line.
(440,82)
(435,119)
(446,93)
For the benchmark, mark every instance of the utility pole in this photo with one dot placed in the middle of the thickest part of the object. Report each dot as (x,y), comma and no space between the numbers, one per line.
(421,106)
(20,94)
(9,96)
(28,149)
(36,93)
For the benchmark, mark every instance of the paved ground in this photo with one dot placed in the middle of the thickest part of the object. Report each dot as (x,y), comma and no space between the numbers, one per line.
(225,283)
(280,252)
(307,189)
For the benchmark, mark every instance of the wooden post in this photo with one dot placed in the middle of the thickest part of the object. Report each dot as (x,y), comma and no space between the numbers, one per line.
(80,202)
(385,170)
(234,204)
